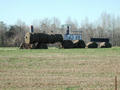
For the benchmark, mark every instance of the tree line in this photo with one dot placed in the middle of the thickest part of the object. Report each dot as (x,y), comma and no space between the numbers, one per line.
(106,26)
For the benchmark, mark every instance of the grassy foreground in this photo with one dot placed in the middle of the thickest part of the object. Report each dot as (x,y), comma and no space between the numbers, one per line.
(59,69)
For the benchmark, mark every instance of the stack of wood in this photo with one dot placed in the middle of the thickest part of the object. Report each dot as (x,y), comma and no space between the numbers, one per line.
(79,44)
(105,45)
(92,45)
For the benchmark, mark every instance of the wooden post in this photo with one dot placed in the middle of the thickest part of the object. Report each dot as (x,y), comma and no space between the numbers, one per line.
(115,82)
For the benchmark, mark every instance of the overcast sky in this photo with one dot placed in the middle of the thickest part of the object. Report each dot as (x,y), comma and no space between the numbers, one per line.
(29,10)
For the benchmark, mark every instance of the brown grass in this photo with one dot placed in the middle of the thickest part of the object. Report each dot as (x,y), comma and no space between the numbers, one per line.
(51,70)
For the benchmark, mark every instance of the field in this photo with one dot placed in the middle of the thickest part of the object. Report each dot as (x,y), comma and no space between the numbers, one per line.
(59,69)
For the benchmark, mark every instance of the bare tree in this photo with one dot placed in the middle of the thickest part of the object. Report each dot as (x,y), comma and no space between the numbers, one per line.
(73,25)
(55,25)
(3,29)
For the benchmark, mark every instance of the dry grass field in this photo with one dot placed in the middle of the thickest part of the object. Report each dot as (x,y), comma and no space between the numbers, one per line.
(59,69)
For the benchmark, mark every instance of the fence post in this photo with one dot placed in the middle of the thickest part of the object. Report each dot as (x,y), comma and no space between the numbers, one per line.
(115,82)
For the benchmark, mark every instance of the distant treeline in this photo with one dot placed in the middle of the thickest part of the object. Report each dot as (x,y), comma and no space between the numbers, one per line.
(107,26)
